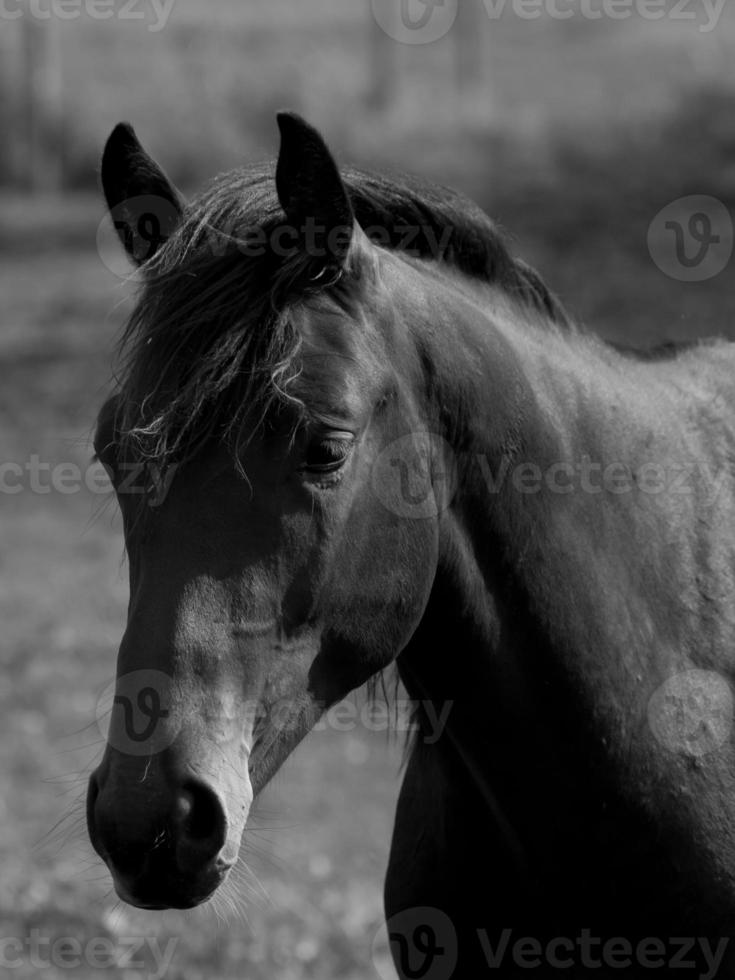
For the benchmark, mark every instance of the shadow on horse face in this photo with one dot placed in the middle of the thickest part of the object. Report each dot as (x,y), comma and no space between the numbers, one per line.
(254,607)
(263,589)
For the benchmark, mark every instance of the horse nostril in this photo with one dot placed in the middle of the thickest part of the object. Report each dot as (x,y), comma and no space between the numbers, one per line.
(200,817)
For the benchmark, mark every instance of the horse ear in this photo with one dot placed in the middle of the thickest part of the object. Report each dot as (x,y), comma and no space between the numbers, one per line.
(144,206)
(312,193)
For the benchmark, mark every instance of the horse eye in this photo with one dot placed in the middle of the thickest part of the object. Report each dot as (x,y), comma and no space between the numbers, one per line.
(326,454)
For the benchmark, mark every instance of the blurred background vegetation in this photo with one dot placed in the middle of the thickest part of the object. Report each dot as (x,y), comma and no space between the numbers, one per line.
(573,133)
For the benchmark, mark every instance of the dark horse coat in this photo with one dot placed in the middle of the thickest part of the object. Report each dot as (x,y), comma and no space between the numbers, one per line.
(372,435)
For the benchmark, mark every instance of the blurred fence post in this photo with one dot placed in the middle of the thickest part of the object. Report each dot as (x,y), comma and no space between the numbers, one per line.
(8,61)
(383,67)
(42,167)
(468,46)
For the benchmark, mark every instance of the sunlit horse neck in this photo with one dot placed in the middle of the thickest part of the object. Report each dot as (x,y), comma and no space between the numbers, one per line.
(389,444)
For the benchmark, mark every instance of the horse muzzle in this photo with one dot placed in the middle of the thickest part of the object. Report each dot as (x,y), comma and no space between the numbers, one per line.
(167,843)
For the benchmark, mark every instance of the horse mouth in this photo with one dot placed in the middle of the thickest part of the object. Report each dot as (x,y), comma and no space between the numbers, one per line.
(160,882)
(152,891)
(163,903)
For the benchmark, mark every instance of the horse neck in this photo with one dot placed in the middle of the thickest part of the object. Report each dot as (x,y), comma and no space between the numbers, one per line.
(504,633)
(555,617)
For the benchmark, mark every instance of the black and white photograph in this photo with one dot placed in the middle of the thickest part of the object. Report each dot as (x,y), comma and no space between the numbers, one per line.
(367,489)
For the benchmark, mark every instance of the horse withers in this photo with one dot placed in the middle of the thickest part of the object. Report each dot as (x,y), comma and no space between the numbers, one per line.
(361,432)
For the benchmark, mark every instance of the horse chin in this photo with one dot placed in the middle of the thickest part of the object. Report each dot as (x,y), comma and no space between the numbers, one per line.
(156,892)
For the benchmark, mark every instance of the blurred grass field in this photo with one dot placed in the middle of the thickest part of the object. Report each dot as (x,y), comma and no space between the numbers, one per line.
(577,136)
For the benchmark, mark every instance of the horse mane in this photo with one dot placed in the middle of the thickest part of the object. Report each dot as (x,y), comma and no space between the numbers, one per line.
(448,227)
(666,350)
(209,339)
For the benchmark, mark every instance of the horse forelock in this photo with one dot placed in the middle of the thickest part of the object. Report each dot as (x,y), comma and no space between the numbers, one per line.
(210,345)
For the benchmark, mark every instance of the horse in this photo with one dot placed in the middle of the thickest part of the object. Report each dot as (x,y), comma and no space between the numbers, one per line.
(352,432)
